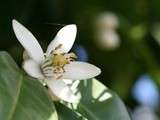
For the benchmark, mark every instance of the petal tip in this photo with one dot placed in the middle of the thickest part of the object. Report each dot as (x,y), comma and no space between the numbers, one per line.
(72,26)
(15,22)
(97,71)
(15,25)
(68,28)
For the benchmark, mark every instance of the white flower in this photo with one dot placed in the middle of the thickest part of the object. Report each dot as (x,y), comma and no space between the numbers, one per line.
(56,64)
(108,39)
(105,35)
(107,20)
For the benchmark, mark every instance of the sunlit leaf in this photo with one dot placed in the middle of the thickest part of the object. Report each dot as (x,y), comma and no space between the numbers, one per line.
(100,103)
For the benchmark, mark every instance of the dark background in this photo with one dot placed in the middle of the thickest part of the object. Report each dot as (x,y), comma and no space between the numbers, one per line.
(137,55)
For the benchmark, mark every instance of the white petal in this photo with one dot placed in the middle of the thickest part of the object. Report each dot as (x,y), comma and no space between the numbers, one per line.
(28,41)
(68,81)
(66,36)
(25,55)
(80,71)
(73,84)
(61,90)
(33,69)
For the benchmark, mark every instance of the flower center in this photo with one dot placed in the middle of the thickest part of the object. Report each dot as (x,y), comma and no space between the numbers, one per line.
(53,66)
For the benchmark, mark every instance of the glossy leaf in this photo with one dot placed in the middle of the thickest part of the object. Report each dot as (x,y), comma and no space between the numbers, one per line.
(100,103)
(22,98)
(65,113)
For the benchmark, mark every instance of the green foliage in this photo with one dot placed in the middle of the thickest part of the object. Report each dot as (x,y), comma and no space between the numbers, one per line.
(23,98)
(65,113)
(100,103)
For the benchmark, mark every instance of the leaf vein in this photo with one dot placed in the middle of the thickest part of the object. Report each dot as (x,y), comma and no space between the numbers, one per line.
(13,109)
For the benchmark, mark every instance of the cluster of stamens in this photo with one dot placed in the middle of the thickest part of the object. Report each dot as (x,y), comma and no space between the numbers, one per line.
(53,66)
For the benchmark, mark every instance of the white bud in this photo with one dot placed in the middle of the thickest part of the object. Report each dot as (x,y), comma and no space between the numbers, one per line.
(108,39)
(107,20)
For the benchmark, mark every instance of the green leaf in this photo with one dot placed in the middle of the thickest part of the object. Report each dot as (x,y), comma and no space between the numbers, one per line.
(65,113)
(100,103)
(22,98)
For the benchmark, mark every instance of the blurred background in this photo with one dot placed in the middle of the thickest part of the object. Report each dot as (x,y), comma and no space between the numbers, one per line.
(120,37)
